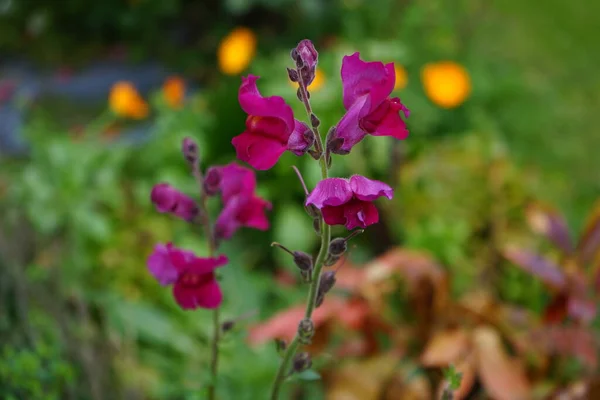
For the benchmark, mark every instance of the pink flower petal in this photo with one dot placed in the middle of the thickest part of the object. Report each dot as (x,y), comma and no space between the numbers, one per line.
(242,211)
(360,214)
(334,215)
(260,152)
(361,78)
(253,103)
(389,123)
(208,295)
(202,266)
(330,192)
(253,213)
(369,190)
(349,127)
(235,179)
(160,266)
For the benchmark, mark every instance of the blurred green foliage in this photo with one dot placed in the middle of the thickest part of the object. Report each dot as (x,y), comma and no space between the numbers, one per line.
(82,318)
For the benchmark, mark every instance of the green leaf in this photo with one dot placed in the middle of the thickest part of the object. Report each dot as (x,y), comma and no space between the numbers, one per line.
(453,377)
(308,375)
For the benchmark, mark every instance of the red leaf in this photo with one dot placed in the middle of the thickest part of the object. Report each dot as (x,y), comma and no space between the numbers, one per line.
(568,341)
(581,308)
(557,310)
(538,266)
(285,324)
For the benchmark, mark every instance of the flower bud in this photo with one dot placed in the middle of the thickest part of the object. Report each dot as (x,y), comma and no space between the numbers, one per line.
(167,199)
(227,326)
(189,148)
(292,74)
(314,121)
(317,225)
(330,260)
(338,246)
(212,181)
(312,211)
(302,362)
(280,346)
(306,330)
(325,284)
(303,260)
(308,56)
(327,281)
(294,54)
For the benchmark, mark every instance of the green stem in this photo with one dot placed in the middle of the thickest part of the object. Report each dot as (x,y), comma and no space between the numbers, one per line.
(212,249)
(312,297)
(214,355)
(283,367)
(316,276)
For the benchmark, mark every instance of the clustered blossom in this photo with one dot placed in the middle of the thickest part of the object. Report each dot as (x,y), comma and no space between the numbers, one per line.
(348,202)
(241,206)
(270,131)
(193,278)
(270,128)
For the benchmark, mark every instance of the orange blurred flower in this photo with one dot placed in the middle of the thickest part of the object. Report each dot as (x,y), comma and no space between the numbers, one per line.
(174,91)
(236,51)
(125,101)
(401,77)
(446,83)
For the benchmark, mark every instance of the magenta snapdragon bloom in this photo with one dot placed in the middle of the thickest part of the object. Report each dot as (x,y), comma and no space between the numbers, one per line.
(193,278)
(167,199)
(270,128)
(349,201)
(241,206)
(370,110)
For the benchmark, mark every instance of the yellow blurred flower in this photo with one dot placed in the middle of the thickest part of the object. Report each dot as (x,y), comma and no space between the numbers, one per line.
(125,101)
(446,83)
(174,91)
(236,51)
(316,84)
(401,77)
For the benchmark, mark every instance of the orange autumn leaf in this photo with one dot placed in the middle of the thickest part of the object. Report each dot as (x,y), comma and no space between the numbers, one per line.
(174,91)
(445,347)
(125,101)
(502,376)
(362,380)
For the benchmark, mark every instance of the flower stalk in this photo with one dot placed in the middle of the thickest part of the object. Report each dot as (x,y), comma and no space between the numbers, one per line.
(325,233)
(190,152)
